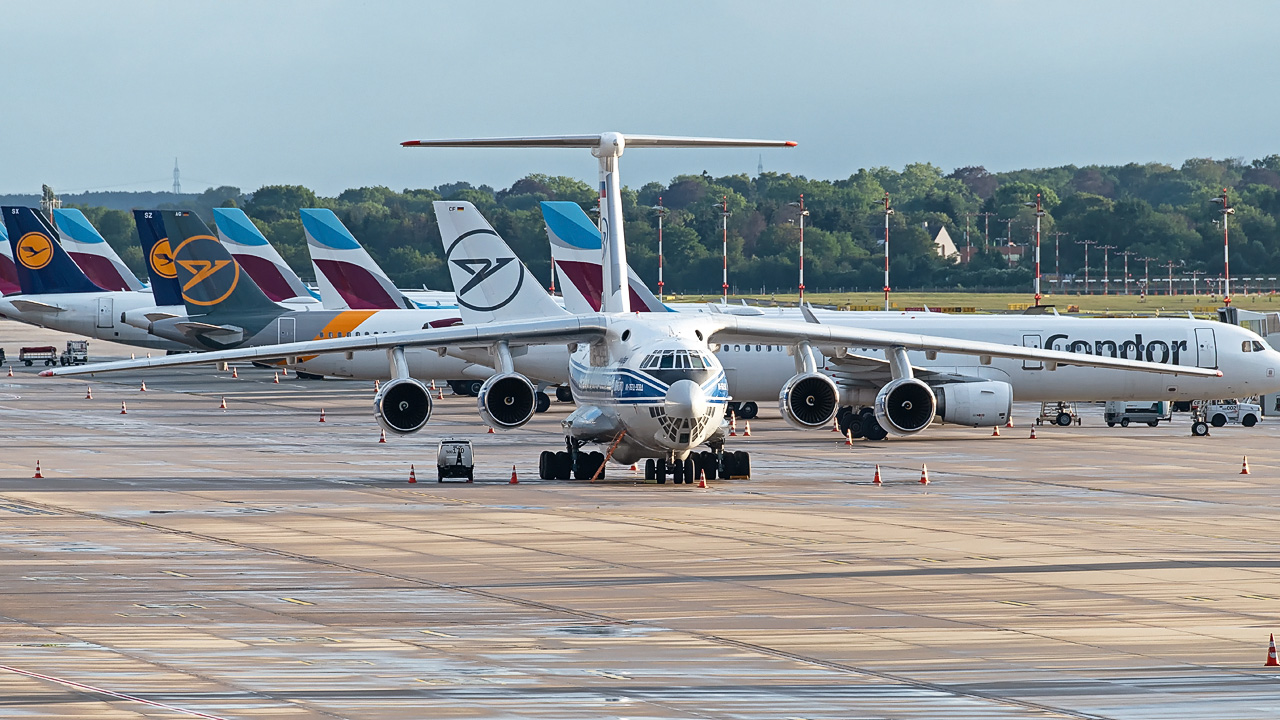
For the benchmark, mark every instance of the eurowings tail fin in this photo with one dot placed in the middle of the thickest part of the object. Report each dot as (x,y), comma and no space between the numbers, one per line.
(92,253)
(161,268)
(257,256)
(489,280)
(348,277)
(8,271)
(42,266)
(577,250)
(212,282)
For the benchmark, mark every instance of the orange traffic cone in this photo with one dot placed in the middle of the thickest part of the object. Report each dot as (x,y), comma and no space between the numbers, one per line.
(223,405)
(835,426)
(733,425)
(1033,432)
(123,409)
(234,375)
(924,474)
(1009,423)
(376,386)
(382,436)
(133,356)
(514,480)
(1244,466)
(88,393)
(413,476)
(143,388)
(10,371)
(40,475)
(848,438)
(633,467)
(490,430)
(875,479)
(276,380)
(747,431)
(284,372)
(995,431)
(321,414)
(433,384)
(702,479)
(1271,651)
(439,394)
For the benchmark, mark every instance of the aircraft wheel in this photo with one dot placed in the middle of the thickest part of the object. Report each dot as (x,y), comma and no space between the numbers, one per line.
(726,465)
(1249,420)
(546,465)
(1219,420)
(742,464)
(564,465)
(597,460)
(677,472)
(1063,419)
(749,411)
(1124,422)
(650,473)
(564,393)
(1200,429)
(541,403)
(660,470)
(690,470)
(473,387)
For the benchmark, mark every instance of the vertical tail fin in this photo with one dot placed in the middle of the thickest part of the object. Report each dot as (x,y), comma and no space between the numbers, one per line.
(161,268)
(489,280)
(257,257)
(348,277)
(212,282)
(578,253)
(92,253)
(42,265)
(8,272)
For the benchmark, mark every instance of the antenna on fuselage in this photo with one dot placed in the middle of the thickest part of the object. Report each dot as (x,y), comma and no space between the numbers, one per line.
(607,148)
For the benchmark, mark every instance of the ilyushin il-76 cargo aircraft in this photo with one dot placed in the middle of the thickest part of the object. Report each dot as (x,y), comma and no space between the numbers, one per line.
(629,397)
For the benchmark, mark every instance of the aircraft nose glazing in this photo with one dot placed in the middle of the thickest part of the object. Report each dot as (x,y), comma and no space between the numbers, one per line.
(686,400)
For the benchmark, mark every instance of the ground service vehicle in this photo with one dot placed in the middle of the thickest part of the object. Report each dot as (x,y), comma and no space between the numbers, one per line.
(47,354)
(1221,412)
(1124,412)
(454,459)
(77,353)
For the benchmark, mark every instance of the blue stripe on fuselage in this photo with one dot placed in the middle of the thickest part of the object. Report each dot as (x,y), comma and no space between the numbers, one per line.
(630,387)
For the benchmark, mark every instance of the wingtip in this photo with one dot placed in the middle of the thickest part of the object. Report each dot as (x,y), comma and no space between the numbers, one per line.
(46,373)
(791,143)
(1219,373)
(411,143)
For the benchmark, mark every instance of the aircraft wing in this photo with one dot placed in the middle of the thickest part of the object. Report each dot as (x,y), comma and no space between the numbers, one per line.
(761,330)
(562,330)
(34,306)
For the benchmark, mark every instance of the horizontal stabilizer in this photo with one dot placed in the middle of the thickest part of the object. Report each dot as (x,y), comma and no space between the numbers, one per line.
(598,140)
(36,307)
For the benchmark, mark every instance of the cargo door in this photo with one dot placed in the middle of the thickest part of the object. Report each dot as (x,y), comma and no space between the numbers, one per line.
(1206,348)
(106,312)
(1032,341)
(288,329)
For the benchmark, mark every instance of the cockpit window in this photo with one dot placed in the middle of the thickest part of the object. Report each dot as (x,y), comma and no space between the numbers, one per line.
(668,360)
(695,359)
(1246,346)
(1258,347)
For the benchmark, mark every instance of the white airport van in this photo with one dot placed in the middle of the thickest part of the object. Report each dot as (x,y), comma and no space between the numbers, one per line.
(454,459)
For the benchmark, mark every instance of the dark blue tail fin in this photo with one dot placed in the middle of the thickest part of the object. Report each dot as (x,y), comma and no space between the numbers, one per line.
(161,269)
(43,266)
(213,283)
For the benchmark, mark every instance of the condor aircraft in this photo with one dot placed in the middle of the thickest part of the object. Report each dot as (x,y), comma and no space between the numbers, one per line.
(650,384)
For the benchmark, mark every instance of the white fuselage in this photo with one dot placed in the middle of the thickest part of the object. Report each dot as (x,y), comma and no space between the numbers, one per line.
(93,315)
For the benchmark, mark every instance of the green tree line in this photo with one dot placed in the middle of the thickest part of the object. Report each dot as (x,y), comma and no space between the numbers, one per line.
(1153,209)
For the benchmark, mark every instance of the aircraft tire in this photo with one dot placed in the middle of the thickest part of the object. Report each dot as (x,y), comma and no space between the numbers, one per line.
(677,472)
(748,411)
(473,387)
(541,403)
(742,464)
(660,470)
(564,465)
(690,471)
(650,473)
(564,393)
(1200,429)
(546,465)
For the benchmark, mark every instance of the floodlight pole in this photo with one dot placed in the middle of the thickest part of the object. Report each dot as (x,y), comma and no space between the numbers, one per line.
(662,213)
(1106,268)
(887,212)
(1126,254)
(1057,240)
(1224,207)
(724,216)
(1008,238)
(1086,244)
(803,213)
(1039,214)
(986,232)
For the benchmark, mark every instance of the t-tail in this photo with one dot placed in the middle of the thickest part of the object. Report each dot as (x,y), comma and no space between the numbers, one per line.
(348,277)
(257,256)
(8,272)
(577,250)
(92,253)
(42,266)
(161,269)
(490,281)
(212,283)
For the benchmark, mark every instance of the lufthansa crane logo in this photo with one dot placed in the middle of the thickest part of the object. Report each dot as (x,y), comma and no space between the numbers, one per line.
(213,274)
(487,277)
(34,250)
(161,259)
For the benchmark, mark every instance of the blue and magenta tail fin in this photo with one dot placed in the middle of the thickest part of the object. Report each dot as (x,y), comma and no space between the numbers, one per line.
(348,277)
(43,267)
(92,252)
(161,268)
(577,250)
(257,257)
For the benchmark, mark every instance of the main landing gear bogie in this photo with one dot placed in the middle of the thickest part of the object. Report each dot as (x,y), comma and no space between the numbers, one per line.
(860,423)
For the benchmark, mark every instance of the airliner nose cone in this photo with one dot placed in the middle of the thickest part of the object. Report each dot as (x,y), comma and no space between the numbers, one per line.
(685,399)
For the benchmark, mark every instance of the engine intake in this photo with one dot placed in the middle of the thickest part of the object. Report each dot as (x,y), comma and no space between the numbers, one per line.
(506,401)
(402,406)
(809,400)
(976,404)
(905,406)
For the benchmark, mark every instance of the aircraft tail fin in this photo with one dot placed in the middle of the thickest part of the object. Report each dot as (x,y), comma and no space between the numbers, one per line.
(577,249)
(257,256)
(8,271)
(156,250)
(212,282)
(42,266)
(92,252)
(348,277)
(489,280)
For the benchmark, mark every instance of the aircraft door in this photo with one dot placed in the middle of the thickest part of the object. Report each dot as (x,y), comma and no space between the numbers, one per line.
(1032,341)
(288,329)
(1206,348)
(106,312)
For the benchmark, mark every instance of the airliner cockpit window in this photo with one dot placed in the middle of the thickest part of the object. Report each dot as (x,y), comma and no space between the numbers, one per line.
(668,360)
(1258,347)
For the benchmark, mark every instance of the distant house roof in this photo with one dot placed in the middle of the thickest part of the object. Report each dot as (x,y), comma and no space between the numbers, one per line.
(943,244)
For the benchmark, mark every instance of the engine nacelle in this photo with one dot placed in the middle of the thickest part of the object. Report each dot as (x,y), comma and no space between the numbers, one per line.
(905,406)
(402,406)
(809,400)
(506,401)
(978,404)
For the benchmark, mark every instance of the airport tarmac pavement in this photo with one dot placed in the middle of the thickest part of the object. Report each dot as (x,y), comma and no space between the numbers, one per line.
(255,563)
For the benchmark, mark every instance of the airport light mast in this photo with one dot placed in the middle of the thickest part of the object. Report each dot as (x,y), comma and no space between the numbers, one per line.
(1008,238)
(1057,241)
(1039,214)
(1086,244)
(1146,274)
(803,214)
(1224,207)
(1106,268)
(662,213)
(1126,254)
(724,218)
(986,231)
(887,212)
(1195,281)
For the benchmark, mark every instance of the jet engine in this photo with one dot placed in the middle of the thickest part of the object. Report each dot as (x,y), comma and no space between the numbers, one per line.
(809,400)
(506,401)
(905,406)
(975,403)
(402,406)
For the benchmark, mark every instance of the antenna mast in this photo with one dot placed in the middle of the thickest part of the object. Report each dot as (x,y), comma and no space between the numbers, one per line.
(177,184)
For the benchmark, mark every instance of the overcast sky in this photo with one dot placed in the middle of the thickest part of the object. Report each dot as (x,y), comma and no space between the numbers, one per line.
(104,95)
